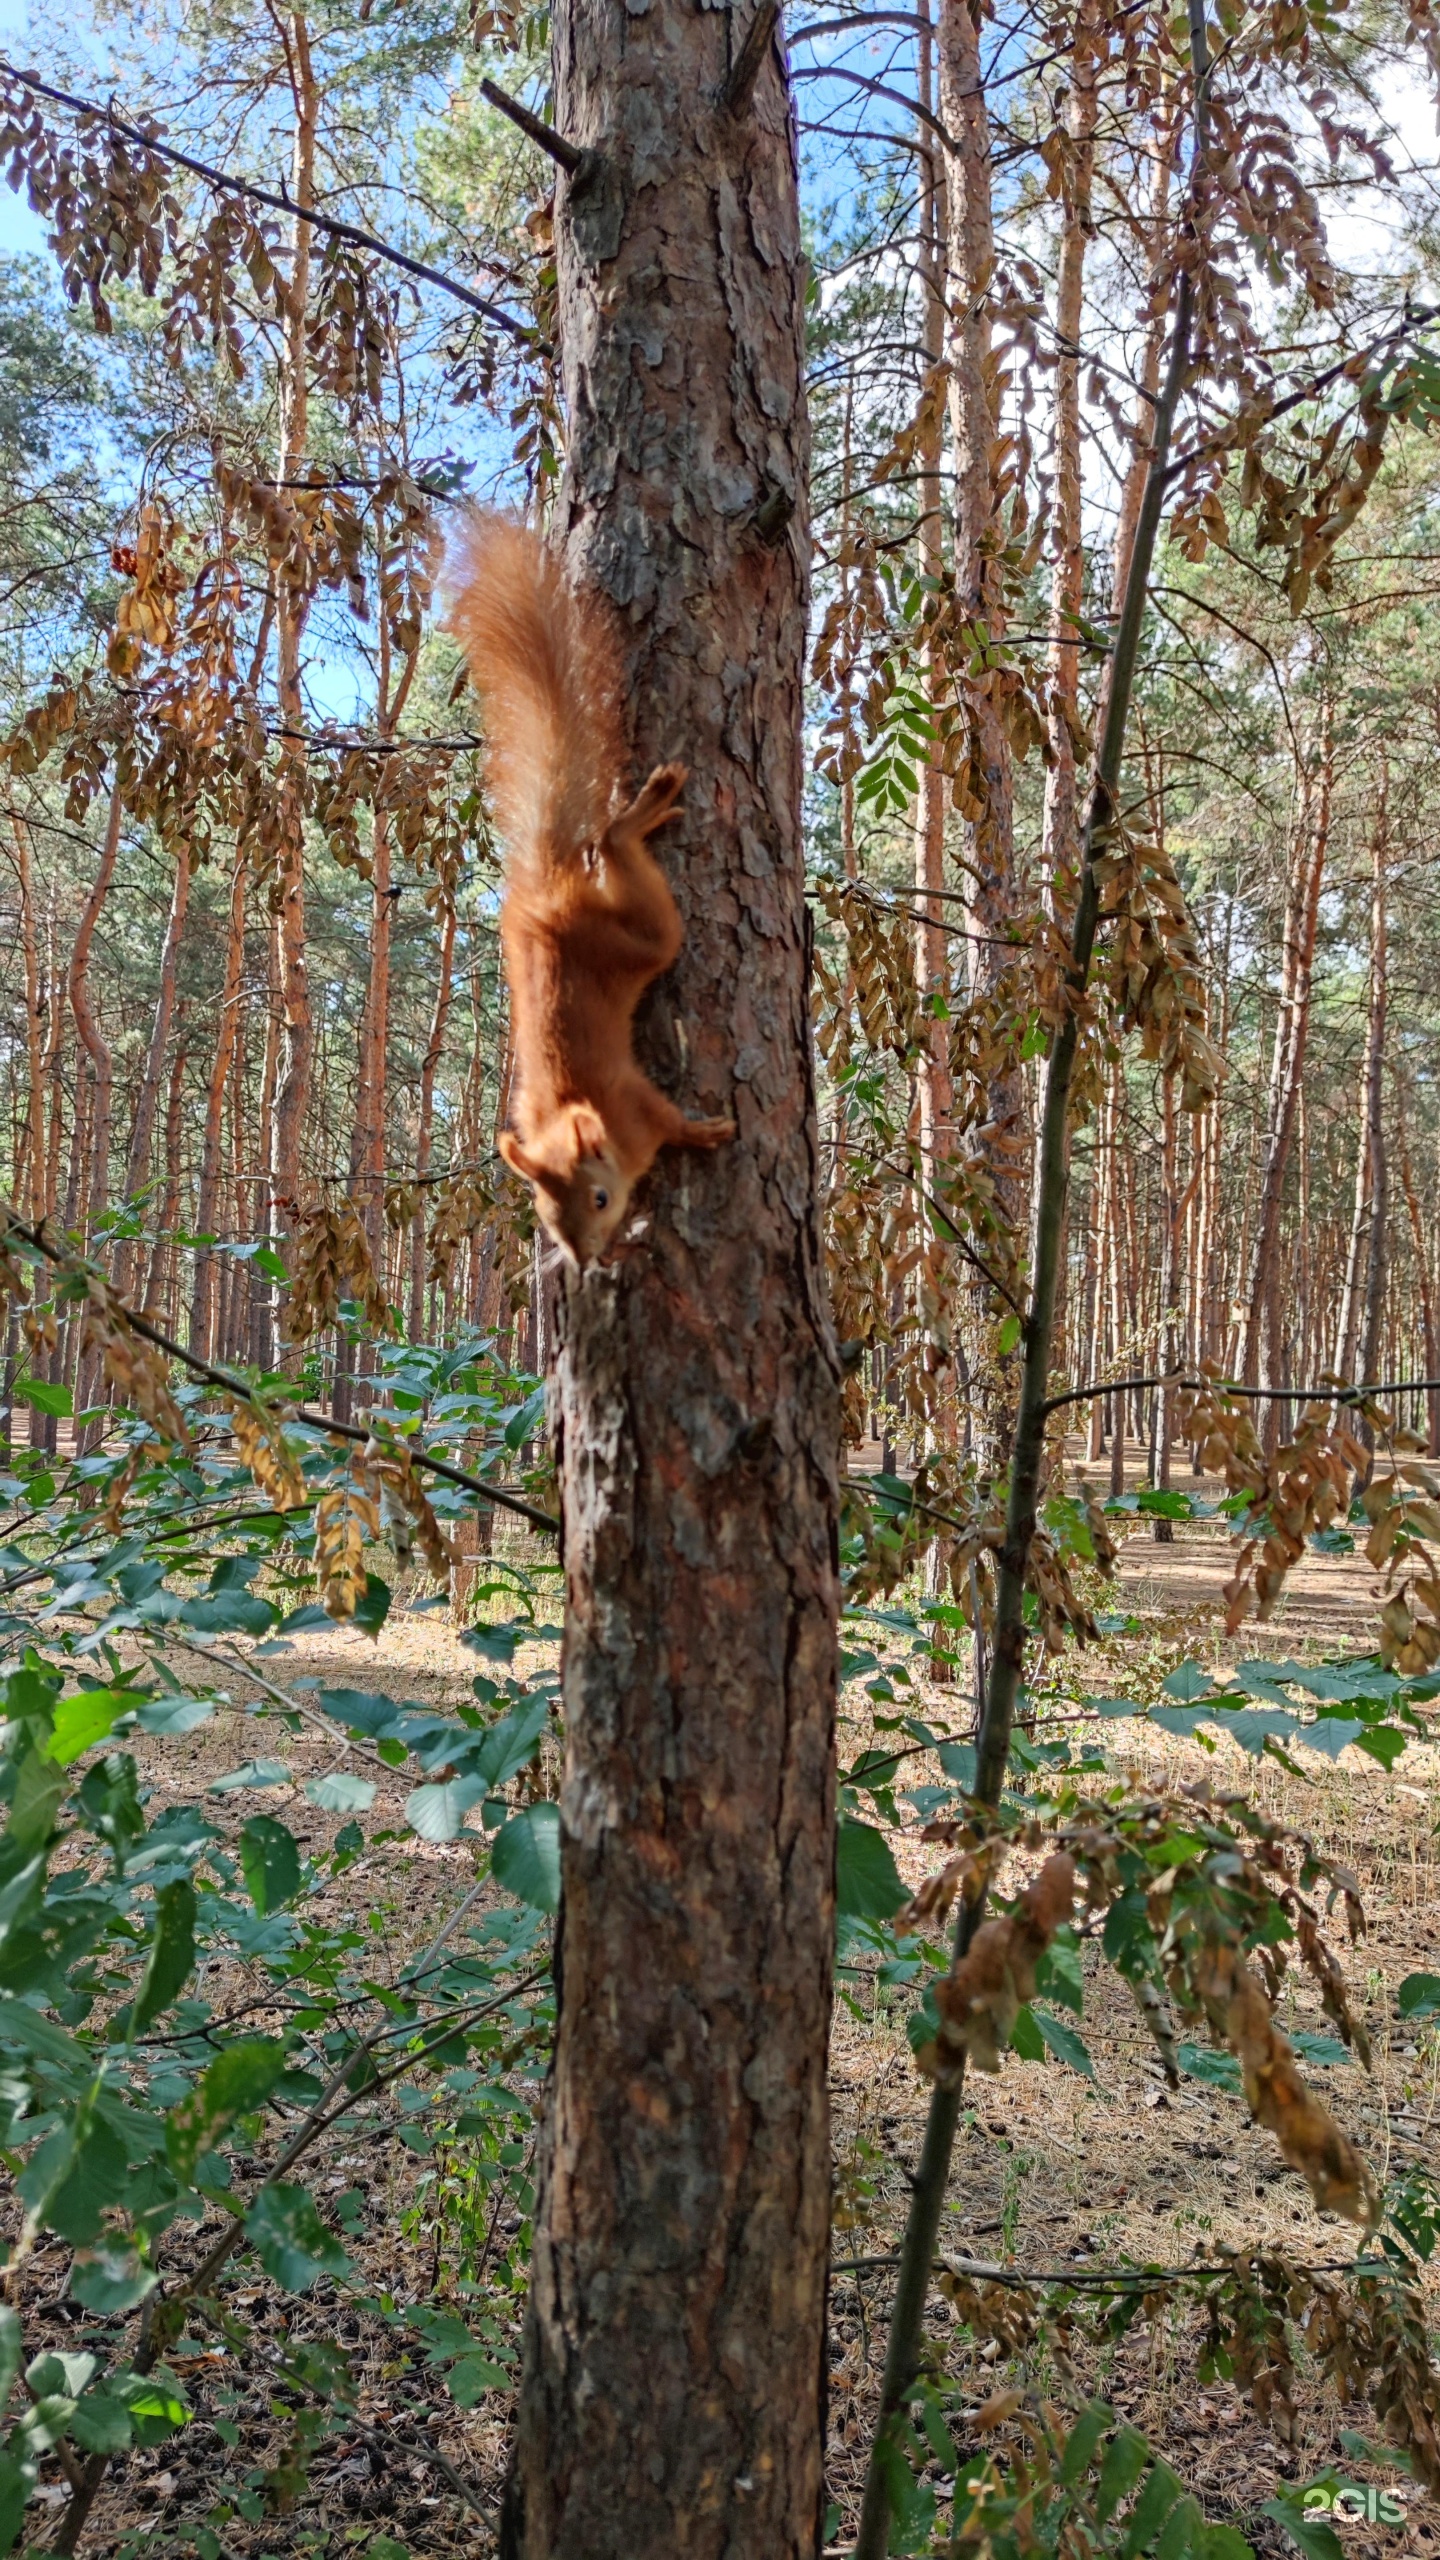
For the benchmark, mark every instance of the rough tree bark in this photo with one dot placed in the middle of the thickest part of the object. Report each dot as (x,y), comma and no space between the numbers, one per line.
(672,2398)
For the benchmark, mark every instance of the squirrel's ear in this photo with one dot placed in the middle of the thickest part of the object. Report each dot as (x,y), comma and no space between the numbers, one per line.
(518,1161)
(589,1129)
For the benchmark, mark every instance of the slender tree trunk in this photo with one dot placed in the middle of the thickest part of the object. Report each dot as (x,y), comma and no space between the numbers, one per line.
(1378,1258)
(293,1095)
(207,1201)
(1292,1028)
(96,1048)
(163,1255)
(429,1069)
(1061,842)
(979,593)
(1424,1276)
(148,1098)
(34,1193)
(1358,1328)
(932,955)
(674,2378)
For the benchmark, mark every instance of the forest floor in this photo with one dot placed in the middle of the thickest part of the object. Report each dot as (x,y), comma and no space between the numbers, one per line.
(1051,2169)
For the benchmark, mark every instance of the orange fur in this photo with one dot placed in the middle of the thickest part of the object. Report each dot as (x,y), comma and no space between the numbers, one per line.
(588,920)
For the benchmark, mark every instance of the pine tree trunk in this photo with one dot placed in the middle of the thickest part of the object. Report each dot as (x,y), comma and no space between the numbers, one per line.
(293,1095)
(1061,841)
(32,1192)
(1287,1061)
(1357,1332)
(208,1197)
(674,2376)
(429,1069)
(148,1098)
(1377,1261)
(93,1189)
(932,956)
(1424,1277)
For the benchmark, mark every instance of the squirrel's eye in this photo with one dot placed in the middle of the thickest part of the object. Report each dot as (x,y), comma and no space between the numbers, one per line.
(602,1199)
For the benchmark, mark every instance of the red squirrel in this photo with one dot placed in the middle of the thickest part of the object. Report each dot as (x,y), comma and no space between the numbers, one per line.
(588,920)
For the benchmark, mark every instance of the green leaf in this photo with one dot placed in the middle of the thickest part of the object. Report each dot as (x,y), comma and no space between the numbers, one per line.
(1026,2039)
(867,1880)
(1222,2542)
(438,1812)
(366,1711)
(34,1803)
(1309,2533)
(73,2177)
(1187,1682)
(44,1397)
(340,1793)
(12,2347)
(172,1718)
(155,2401)
(524,1424)
(1083,2441)
(511,1744)
(100,2423)
(228,1613)
(373,1607)
(1150,2510)
(525,1859)
(251,1773)
(1125,2458)
(1060,1976)
(1202,2062)
(1384,1742)
(1419,1995)
(493,1644)
(85,1719)
(17,2479)
(234,2084)
(1319,2049)
(171,1960)
(269,1862)
(1064,2043)
(290,2240)
(111,2280)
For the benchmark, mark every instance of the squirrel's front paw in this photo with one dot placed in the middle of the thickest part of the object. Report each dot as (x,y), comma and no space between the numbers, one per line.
(707,1133)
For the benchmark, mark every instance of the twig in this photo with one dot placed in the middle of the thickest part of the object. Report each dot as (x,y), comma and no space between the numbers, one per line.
(243,1670)
(263,195)
(544,136)
(429,2451)
(1226,1386)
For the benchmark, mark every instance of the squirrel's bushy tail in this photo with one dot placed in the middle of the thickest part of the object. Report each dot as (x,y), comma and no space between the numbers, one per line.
(546,668)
